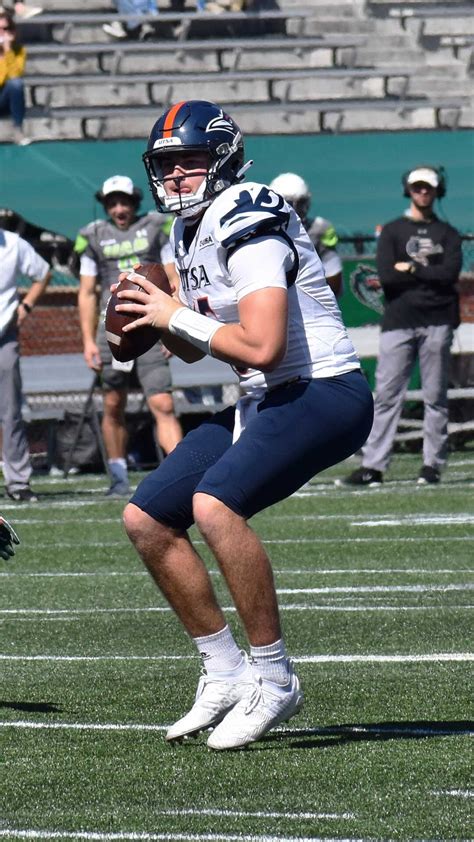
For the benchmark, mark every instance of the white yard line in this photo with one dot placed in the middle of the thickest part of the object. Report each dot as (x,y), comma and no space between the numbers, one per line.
(350,589)
(456,793)
(138,836)
(379,589)
(67,614)
(435,657)
(256,815)
(280,571)
(331,730)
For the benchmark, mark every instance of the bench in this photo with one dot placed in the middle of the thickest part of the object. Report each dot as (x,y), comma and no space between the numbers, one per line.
(54,383)
(407,11)
(327,115)
(114,53)
(185,22)
(270,76)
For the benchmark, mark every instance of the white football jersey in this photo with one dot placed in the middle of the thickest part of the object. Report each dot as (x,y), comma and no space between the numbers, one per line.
(240,217)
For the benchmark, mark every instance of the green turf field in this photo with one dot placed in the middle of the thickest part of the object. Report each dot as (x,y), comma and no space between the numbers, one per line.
(374,586)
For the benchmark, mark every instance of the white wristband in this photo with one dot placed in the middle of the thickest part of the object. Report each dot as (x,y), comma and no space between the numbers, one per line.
(194,327)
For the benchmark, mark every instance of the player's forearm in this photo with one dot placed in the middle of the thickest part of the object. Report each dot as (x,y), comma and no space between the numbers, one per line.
(36,291)
(234,344)
(87,316)
(181,348)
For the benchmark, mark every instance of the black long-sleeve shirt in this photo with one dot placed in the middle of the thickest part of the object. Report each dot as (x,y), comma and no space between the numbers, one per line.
(428,295)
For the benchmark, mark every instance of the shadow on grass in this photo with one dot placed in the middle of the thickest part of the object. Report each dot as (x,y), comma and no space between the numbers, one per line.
(31,707)
(336,735)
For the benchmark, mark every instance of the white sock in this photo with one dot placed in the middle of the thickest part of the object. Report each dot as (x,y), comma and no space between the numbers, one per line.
(271,662)
(118,469)
(219,651)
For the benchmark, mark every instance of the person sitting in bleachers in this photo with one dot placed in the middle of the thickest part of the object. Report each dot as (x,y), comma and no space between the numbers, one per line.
(12,68)
(132,28)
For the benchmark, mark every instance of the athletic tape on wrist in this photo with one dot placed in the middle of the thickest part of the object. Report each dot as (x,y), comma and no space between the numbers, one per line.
(194,327)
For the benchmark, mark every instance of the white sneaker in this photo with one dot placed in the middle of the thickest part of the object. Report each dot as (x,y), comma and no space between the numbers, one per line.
(262,708)
(215,696)
(116,29)
(20,138)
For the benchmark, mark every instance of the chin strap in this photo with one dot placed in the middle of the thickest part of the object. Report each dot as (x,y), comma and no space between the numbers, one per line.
(240,174)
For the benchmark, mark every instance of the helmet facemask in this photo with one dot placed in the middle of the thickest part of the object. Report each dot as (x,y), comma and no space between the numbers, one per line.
(220,174)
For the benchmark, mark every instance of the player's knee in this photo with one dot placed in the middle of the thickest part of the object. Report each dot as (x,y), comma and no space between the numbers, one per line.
(133,521)
(161,404)
(209,513)
(145,532)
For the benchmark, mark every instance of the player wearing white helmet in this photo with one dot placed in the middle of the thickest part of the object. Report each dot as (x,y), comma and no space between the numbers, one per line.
(321,232)
(253,294)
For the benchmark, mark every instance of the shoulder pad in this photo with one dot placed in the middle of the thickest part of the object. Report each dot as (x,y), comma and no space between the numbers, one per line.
(84,233)
(248,210)
(92,226)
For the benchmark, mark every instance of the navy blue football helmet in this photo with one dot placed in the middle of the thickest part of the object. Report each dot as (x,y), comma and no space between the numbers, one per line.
(195,126)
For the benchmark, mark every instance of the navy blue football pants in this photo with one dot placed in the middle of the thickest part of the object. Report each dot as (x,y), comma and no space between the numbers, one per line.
(300,429)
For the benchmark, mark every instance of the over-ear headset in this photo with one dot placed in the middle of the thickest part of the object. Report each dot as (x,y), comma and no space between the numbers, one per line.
(440,172)
(136,197)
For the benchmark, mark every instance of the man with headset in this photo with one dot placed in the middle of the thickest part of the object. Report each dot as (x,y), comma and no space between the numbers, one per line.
(418,261)
(106,248)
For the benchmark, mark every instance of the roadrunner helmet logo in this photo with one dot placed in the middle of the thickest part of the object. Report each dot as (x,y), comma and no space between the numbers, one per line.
(221,123)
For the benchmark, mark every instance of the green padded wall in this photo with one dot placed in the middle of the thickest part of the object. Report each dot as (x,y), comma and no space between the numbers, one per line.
(355,178)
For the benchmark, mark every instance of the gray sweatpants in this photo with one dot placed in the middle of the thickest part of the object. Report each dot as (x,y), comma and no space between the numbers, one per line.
(15,451)
(398,351)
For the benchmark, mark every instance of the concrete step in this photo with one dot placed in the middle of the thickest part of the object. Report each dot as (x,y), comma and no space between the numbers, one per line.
(337,115)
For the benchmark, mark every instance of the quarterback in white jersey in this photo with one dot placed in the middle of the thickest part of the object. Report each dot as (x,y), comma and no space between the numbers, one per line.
(252,293)
(216,275)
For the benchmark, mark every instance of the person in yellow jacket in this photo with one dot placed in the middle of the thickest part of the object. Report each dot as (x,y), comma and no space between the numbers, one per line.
(12,68)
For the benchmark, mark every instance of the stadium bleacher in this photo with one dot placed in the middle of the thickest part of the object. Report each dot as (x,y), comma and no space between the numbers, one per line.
(379,64)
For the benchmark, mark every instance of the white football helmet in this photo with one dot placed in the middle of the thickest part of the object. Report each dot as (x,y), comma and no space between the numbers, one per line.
(294,189)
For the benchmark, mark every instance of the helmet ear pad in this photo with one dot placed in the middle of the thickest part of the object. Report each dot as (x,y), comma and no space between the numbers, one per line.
(440,172)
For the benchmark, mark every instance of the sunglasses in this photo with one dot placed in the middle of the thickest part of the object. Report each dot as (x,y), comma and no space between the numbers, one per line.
(417,188)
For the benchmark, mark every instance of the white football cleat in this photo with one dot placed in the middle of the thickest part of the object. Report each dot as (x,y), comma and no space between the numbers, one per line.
(215,696)
(263,707)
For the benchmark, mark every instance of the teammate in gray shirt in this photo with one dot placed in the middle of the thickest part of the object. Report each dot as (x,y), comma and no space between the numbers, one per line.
(106,248)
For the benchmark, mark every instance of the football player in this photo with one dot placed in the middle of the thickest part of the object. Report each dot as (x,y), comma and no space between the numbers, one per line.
(106,246)
(321,232)
(253,294)
(8,538)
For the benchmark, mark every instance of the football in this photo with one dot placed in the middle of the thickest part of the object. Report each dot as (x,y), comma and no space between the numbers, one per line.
(129,346)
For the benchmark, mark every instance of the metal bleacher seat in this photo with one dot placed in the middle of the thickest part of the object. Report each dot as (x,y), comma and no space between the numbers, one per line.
(54,383)
(304,78)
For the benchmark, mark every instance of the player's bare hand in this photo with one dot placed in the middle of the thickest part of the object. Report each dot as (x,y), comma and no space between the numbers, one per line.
(151,305)
(403,266)
(92,356)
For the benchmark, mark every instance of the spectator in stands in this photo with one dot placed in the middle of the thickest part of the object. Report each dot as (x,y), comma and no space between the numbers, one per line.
(8,538)
(107,247)
(12,68)
(17,259)
(132,28)
(322,234)
(418,260)
(252,293)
